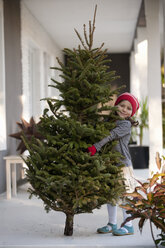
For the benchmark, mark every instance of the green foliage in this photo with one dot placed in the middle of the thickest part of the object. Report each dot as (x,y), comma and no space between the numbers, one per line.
(143,121)
(148,202)
(60,170)
(64,175)
(143,118)
(161,240)
(162,74)
(86,84)
(163,125)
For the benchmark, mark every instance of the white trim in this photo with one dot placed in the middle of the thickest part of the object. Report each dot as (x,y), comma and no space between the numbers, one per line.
(46,77)
(3,144)
(34,93)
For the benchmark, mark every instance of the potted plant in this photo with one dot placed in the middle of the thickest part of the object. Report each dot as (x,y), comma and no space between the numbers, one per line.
(147,203)
(143,117)
(140,153)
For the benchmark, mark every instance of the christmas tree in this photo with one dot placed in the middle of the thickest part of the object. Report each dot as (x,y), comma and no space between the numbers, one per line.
(60,170)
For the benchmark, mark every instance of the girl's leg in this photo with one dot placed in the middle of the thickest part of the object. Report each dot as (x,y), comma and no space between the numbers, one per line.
(125,216)
(112,214)
(127,229)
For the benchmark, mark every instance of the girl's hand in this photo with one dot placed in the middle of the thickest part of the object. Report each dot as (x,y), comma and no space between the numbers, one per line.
(92,150)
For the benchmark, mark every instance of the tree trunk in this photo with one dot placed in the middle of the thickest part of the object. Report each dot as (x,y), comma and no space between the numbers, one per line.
(69,225)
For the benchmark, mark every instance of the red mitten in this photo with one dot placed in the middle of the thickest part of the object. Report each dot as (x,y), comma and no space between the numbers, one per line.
(92,150)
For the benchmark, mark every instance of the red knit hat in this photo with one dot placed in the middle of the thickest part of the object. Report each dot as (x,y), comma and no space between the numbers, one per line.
(132,99)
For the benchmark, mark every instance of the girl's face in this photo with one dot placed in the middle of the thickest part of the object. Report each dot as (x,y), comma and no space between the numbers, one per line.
(124,109)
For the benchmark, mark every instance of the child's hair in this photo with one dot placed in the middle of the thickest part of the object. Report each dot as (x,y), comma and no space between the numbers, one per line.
(133,122)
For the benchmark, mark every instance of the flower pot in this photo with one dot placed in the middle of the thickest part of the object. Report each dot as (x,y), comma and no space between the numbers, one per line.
(140,156)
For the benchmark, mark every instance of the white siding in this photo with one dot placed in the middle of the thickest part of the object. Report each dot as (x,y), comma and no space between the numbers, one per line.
(39,52)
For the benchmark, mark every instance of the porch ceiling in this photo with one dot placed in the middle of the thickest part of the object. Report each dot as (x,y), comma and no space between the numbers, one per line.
(115,21)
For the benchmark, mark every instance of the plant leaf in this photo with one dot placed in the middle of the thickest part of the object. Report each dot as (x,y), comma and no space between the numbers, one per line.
(134,216)
(155,178)
(149,196)
(141,224)
(127,207)
(146,185)
(134,194)
(158,223)
(141,189)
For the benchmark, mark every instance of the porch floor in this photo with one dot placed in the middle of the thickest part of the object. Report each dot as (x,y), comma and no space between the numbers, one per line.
(25,223)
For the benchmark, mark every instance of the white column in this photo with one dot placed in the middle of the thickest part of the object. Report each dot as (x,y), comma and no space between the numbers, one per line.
(154,81)
(141,59)
(134,78)
(138,76)
(139,63)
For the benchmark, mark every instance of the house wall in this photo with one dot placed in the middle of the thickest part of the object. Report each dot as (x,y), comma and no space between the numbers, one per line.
(23,32)
(13,78)
(39,50)
(2,100)
(2,83)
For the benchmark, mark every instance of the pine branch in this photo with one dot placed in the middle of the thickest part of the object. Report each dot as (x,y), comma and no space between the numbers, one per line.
(82,42)
(94,19)
(85,35)
(99,49)
(92,29)
(60,63)
(91,33)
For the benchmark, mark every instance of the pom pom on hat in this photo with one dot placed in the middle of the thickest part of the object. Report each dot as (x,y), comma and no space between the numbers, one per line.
(132,99)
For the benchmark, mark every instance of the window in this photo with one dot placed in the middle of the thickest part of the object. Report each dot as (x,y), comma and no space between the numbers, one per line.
(34,94)
(46,72)
(36,78)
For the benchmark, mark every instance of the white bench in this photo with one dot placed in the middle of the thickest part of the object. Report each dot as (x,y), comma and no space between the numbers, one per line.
(11,174)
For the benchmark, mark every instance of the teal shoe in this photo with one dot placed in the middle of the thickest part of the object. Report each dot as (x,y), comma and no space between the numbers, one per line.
(109,228)
(125,230)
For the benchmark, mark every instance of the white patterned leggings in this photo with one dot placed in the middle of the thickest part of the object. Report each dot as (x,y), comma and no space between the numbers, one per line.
(112,214)
(130,182)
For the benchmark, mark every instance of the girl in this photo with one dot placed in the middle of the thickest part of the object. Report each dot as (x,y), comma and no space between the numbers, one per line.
(127,106)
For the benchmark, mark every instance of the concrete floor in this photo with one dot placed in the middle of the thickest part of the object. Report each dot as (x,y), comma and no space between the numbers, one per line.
(24,223)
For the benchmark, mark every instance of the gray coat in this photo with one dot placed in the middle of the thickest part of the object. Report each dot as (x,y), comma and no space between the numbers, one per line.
(122,133)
